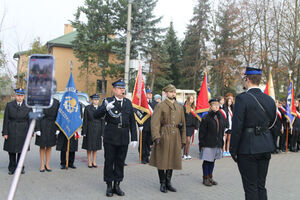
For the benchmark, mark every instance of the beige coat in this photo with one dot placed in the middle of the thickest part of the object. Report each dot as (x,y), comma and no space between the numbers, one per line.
(164,122)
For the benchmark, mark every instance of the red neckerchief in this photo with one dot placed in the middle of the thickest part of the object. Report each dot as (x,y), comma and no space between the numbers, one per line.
(192,111)
(223,113)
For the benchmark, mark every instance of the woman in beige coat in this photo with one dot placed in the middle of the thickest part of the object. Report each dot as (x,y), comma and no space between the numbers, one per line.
(169,136)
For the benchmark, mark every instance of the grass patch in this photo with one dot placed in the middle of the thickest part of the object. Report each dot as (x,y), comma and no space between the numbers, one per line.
(1,115)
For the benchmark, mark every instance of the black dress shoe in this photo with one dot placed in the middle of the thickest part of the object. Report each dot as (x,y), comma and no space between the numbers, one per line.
(48,170)
(144,162)
(23,171)
(42,170)
(10,172)
(95,166)
(125,164)
(62,166)
(72,166)
(90,166)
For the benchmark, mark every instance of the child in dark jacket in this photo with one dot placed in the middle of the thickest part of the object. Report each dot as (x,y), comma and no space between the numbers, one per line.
(211,140)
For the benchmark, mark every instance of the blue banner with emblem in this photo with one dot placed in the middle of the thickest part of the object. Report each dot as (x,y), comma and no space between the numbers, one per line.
(68,117)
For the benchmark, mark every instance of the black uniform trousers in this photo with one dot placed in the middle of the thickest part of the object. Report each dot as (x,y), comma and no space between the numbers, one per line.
(13,161)
(146,143)
(253,169)
(63,158)
(114,156)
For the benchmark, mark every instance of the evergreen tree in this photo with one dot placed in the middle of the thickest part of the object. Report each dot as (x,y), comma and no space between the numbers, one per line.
(194,46)
(37,47)
(95,39)
(159,75)
(144,28)
(227,43)
(172,46)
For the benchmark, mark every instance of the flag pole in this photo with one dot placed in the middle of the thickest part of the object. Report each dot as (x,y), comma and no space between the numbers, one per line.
(68,150)
(141,143)
(287,138)
(287,127)
(68,145)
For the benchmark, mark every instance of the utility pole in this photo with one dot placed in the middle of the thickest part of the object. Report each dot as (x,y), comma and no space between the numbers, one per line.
(127,55)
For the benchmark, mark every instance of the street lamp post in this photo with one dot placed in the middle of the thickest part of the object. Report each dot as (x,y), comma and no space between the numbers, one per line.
(127,55)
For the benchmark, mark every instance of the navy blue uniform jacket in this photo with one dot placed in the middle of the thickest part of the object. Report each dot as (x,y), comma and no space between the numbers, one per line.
(248,114)
(113,134)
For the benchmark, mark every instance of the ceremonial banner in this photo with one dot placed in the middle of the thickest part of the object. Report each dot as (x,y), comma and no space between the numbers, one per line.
(270,87)
(291,111)
(68,117)
(142,110)
(202,106)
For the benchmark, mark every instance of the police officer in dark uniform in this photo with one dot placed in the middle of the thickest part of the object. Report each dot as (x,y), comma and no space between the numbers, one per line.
(146,131)
(119,117)
(15,126)
(251,139)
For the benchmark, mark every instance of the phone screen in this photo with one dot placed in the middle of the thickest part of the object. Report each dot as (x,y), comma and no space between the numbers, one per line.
(39,81)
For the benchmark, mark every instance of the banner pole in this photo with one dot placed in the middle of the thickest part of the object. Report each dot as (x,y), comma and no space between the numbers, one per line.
(287,138)
(141,143)
(68,150)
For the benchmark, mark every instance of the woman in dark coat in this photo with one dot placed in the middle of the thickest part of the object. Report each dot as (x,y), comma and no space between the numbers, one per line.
(191,124)
(46,131)
(15,127)
(92,131)
(211,140)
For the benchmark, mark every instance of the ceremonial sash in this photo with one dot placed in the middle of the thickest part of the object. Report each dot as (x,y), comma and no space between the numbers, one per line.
(223,113)
(279,114)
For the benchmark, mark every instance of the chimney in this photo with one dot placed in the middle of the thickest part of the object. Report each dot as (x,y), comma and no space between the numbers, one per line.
(68,28)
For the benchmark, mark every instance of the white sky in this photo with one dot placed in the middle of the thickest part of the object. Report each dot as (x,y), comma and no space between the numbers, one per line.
(25,20)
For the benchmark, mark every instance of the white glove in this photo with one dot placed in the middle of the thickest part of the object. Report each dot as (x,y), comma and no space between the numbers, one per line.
(133,144)
(57,132)
(195,131)
(141,128)
(38,133)
(110,105)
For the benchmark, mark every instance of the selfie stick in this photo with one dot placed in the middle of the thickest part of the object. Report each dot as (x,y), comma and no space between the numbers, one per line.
(34,116)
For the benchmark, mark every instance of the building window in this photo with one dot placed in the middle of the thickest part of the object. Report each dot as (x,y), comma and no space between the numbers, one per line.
(99,86)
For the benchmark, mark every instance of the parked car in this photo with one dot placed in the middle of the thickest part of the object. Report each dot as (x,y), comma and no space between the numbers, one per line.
(83,98)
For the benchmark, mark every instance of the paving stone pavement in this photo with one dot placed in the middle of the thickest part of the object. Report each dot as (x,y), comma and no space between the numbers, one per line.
(141,181)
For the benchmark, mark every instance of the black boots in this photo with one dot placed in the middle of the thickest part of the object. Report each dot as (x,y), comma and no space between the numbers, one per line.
(109,190)
(162,180)
(165,180)
(168,181)
(117,190)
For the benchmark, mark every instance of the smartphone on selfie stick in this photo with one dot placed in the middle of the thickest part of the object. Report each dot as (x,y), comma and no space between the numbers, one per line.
(39,92)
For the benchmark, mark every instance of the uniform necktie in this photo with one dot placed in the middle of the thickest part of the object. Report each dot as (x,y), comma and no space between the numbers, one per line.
(120,103)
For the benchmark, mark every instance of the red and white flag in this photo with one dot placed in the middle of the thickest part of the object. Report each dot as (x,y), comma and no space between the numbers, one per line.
(142,110)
